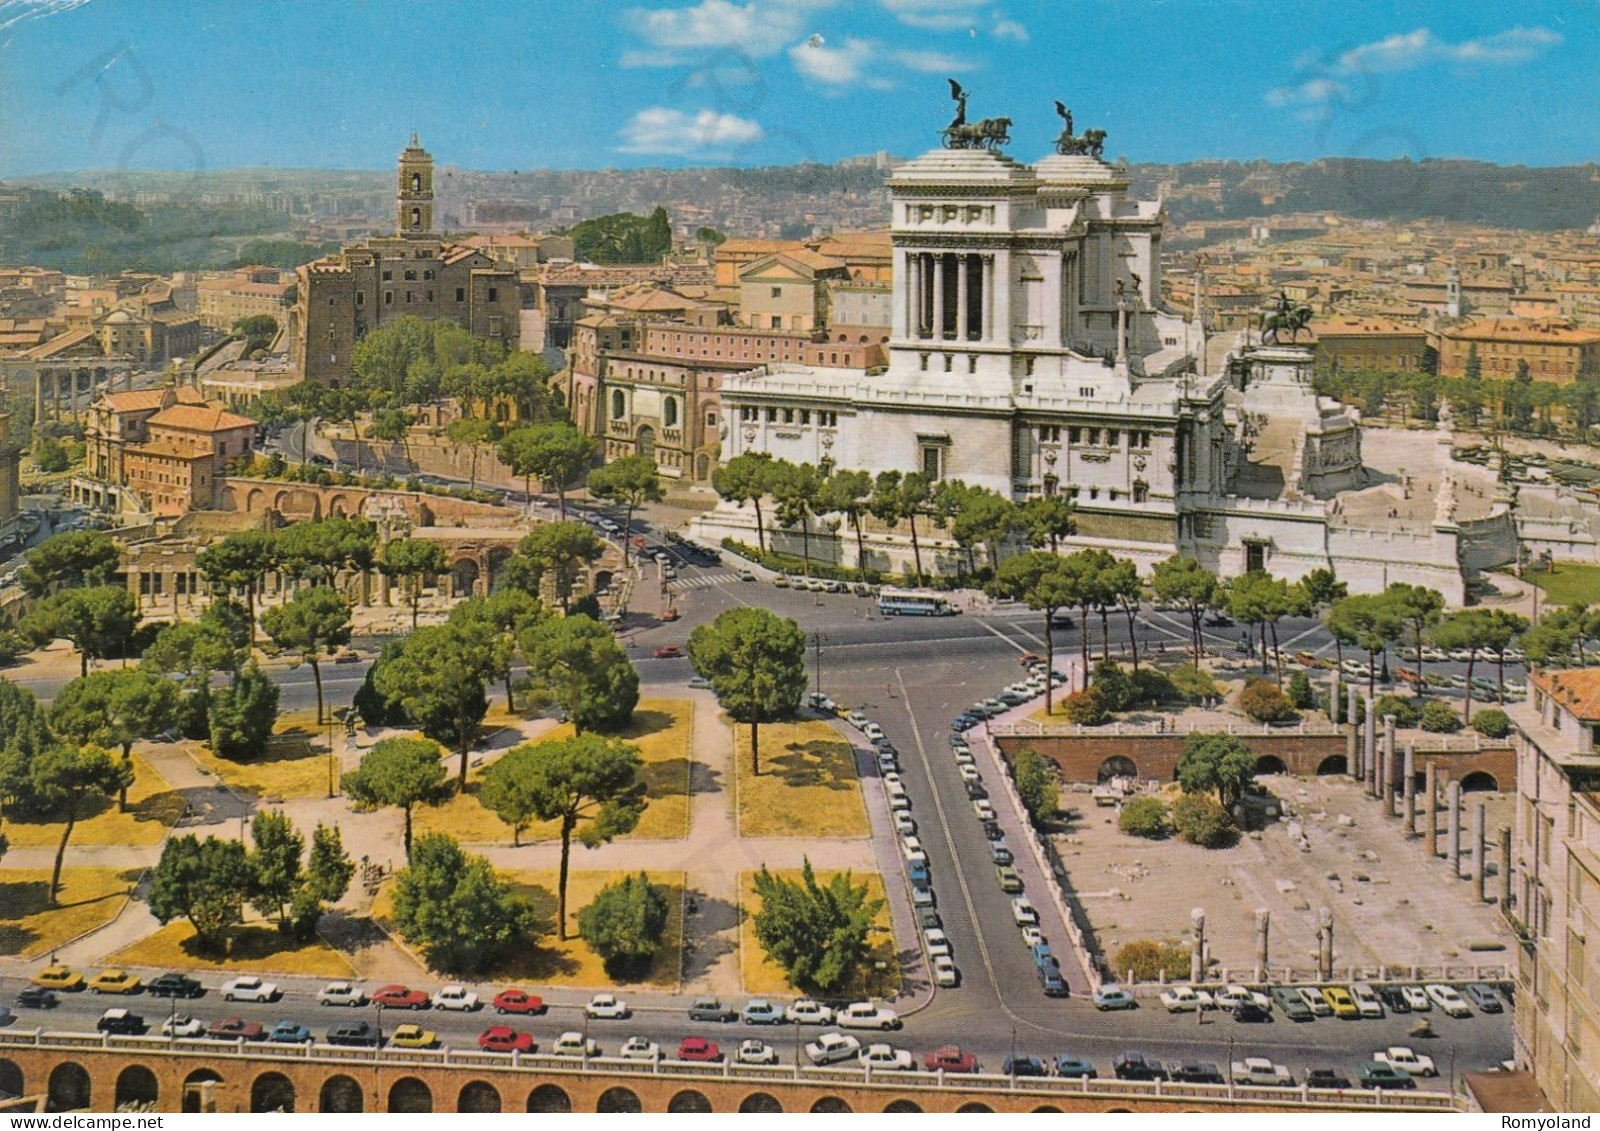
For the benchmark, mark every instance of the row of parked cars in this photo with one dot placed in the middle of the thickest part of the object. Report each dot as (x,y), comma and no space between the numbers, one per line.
(1354,1002)
(1386,1070)
(1033,685)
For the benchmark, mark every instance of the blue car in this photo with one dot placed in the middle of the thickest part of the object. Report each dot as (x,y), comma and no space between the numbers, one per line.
(760,1011)
(918,871)
(963,722)
(1041,954)
(1075,1067)
(1023,1066)
(289,1033)
(1050,979)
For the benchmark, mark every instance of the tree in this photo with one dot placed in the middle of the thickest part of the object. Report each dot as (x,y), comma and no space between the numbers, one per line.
(50,455)
(1183,581)
(398,772)
(1474,368)
(555,452)
(440,678)
(1220,762)
(194,650)
(1046,519)
(1114,686)
(624,923)
(473,434)
(1087,568)
(205,882)
(70,559)
(1146,960)
(1369,622)
(393,426)
(413,561)
(1265,702)
(915,492)
(115,708)
(237,563)
(327,878)
(455,909)
(1201,821)
(1119,581)
(743,479)
(1036,784)
(1322,589)
(756,662)
(1474,630)
(1301,694)
(1439,717)
(1492,722)
(560,551)
(507,790)
(1259,598)
(1419,607)
(1145,816)
(275,868)
(1043,582)
(24,734)
(311,624)
(585,781)
(818,933)
(257,330)
(242,715)
(586,671)
(981,516)
(62,780)
(848,493)
(99,621)
(505,615)
(629,482)
(317,551)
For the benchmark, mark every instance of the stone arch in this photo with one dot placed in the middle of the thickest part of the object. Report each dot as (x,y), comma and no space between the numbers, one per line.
(411,1096)
(645,441)
(1270,764)
(1117,766)
(618,1101)
(341,1095)
(337,508)
(1479,781)
(1047,1109)
(136,1084)
(619,404)
(1333,764)
(902,1107)
(11,1082)
(603,579)
(464,577)
(253,500)
(1118,1111)
(479,1097)
(547,1099)
(689,1102)
(831,1105)
(702,466)
(200,1090)
(272,1091)
(974,1108)
(760,1103)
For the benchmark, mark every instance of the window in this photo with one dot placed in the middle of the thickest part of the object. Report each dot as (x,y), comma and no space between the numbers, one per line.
(1086,392)
(711,420)
(411,276)
(408,297)
(427,275)
(430,294)
(805,416)
(1027,367)
(777,321)
(416,182)
(416,217)
(669,412)
(1092,436)
(361,298)
(461,294)
(788,416)
(949,363)
(1050,433)
(922,362)
(1113,437)
(932,460)
(494,294)
(772,416)
(387,276)
(388,298)
(619,404)
(1073,433)
(972,363)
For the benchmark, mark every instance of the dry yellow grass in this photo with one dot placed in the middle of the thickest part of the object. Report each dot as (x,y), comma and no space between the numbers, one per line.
(807,785)
(257,947)
(763,976)
(153,808)
(661,731)
(90,897)
(549,960)
(294,764)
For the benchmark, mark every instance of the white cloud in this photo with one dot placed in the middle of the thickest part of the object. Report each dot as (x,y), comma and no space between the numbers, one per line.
(675,133)
(1312,91)
(1421,47)
(936,15)
(756,28)
(1009,29)
(837,66)
(933,62)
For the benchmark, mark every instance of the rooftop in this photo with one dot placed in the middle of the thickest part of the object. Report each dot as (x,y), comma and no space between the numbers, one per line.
(195,418)
(1578,691)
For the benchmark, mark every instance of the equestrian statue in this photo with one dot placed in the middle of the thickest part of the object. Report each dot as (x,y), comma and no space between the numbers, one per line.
(990,133)
(1284,315)
(1091,143)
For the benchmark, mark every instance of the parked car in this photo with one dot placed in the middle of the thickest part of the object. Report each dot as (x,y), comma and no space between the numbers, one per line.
(887,1058)
(1112,996)
(1393,999)
(808,1012)
(1262,1072)
(37,997)
(1137,1066)
(1248,1012)
(1196,1072)
(1185,999)
(1400,1056)
(698,1050)
(248,987)
(1484,998)
(607,1007)
(936,942)
(945,973)
(903,823)
(1376,1074)
(1050,979)
(114,980)
(457,999)
(236,1029)
(574,1044)
(400,997)
(865,1015)
(1233,996)
(503,1038)
(1447,999)
(760,1011)
(711,1009)
(1075,1067)
(1022,912)
(174,985)
(1366,999)
(1010,880)
(1000,854)
(668,652)
(1326,1078)
(833,1048)
(1417,998)
(357,1034)
(516,1000)
(1343,1005)
(288,1032)
(121,1022)
(1292,1004)
(950,1058)
(756,1052)
(62,979)
(1315,1001)
(639,1048)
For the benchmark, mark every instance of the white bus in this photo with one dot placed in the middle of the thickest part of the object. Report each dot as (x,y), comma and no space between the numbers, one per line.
(914,603)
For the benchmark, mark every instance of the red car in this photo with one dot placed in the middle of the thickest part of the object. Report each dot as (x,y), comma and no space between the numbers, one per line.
(503,1038)
(698,1048)
(951,1059)
(670,652)
(233,1028)
(1030,658)
(400,997)
(518,1001)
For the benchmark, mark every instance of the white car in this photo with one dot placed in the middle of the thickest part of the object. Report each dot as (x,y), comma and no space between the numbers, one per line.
(1022,912)
(607,1007)
(899,801)
(342,993)
(183,1026)
(944,971)
(969,772)
(833,1048)
(983,809)
(1315,1001)
(904,824)
(1366,999)
(1417,998)
(808,1012)
(639,1048)
(873,731)
(1412,1061)
(887,1058)
(1234,996)
(1032,935)
(457,998)
(865,1015)
(249,988)
(574,1044)
(936,942)
(910,845)
(1447,999)
(1186,999)
(893,780)
(857,720)
(964,756)
(756,1052)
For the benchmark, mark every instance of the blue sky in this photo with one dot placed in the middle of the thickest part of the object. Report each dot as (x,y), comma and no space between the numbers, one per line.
(516,84)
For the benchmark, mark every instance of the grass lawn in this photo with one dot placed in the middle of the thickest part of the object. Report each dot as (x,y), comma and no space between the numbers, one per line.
(549,961)
(294,764)
(660,729)
(807,785)
(1569,583)
(763,976)
(257,948)
(29,926)
(153,808)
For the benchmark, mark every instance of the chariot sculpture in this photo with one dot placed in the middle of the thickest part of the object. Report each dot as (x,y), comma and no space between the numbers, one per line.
(989,133)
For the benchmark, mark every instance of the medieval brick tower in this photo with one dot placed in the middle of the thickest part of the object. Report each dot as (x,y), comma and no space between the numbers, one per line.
(414,214)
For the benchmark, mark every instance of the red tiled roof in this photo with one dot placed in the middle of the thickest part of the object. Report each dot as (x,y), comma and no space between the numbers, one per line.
(195,418)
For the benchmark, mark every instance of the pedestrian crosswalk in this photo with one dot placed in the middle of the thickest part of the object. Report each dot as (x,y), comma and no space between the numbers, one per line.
(701,581)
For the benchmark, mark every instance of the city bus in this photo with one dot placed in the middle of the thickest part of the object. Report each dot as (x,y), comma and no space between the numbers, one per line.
(914,603)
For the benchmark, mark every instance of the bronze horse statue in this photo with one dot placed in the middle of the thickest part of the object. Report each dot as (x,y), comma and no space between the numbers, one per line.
(1285,317)
(990,134)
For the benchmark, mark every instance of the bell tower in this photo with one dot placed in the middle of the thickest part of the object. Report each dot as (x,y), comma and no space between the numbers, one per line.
(414,212)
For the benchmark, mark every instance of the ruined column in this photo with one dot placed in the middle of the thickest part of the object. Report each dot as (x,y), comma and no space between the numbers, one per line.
(1325,944)
(1386,777)
(1432,815)
(1197,945)
(1480,848)
(1505,867)
(1369,755)
(1263,922)
(1452,804)
(1352,758)
(1408,790)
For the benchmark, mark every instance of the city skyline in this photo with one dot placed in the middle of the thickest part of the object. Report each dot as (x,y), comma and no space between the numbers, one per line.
(588,85)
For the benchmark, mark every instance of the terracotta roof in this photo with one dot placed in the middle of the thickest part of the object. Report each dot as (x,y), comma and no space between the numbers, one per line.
(1521,330)
(62,341)
(757,247)
(134,400)
(1350,324)
(194,418)
(1577,691)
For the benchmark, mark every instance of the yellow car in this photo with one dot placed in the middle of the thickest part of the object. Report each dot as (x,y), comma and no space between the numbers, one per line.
(58,978)
(1340,1001)
(414,1037)
(842,709)
(114,981)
